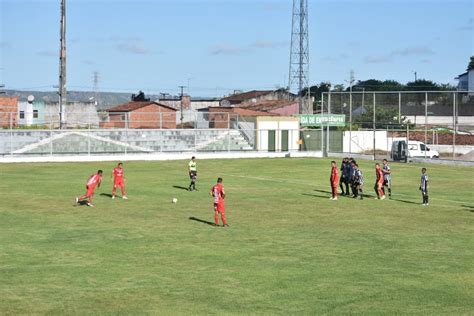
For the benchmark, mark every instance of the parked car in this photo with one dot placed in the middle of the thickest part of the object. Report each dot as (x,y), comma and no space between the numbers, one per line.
(415,149)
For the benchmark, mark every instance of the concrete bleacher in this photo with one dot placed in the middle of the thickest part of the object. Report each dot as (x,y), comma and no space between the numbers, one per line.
(97,141)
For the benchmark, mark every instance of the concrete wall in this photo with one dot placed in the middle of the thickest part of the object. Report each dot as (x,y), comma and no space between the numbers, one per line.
(264,124)
(77,114)
(364,141)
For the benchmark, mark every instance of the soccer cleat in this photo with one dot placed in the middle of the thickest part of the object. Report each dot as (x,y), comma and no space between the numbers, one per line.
(225,225)
(77,200)
(125,197)
(113,197)
(427,204)
(331,198)
(383,197)
(90,204)
(334,199)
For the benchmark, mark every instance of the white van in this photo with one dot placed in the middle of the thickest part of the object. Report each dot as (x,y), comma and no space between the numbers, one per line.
(416,149)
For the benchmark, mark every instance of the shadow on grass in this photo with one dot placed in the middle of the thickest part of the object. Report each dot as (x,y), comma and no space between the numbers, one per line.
(81,203)
(318,196)
(405,201)
(106,194)
(323,191)
(201,221)
(180,187)
(470,208)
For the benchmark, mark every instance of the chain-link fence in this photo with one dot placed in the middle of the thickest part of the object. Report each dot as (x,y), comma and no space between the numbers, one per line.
(423,124)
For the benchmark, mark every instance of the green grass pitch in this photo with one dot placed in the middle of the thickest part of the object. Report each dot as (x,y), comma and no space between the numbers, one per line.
(289,249)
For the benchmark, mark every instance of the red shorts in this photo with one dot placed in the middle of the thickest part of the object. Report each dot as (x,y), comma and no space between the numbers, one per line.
(90,191)
(119,183)
(219,207)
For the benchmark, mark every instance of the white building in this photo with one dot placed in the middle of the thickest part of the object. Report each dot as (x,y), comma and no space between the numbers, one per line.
(466,81)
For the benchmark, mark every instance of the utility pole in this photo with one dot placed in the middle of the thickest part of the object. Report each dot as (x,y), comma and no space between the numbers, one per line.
(1,89)
(181,104)
(298,75)
(95,80)
(415,76)
(62,66)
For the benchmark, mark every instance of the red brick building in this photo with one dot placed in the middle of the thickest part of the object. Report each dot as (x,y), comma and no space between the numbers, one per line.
(140,114)
(8,111)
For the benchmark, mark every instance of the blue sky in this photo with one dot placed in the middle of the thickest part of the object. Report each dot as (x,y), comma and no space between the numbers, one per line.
(217,46)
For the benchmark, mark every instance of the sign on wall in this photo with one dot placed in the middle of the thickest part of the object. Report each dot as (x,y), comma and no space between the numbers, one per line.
(322,120)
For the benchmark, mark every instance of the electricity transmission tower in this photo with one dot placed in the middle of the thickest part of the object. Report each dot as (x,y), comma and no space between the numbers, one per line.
(299,54)
(62,65)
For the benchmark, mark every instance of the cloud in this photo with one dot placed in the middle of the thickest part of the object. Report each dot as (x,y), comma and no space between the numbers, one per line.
(378,59)
(335,58)
(268,44)
(469,26)
(48,53)
(133,48)
(229,49)
(269,7)
(226,49)
(410,51)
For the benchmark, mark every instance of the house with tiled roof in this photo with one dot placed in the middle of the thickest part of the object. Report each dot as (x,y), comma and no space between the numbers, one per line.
(257,95)
(139,114)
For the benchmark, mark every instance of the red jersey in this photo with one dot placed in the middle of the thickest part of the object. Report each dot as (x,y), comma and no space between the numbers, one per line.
(218,193)
(379,175)
(118,174)
(334,175)
(93,181)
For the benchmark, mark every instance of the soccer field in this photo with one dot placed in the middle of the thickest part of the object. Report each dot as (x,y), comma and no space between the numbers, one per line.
(289,249)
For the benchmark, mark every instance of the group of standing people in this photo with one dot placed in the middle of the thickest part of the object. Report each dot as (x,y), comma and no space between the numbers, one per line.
(350,176)
(350,179)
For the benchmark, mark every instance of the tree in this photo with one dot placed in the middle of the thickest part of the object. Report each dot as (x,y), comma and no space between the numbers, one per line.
(384,118)
(140,97)
(422,85)
(471,64)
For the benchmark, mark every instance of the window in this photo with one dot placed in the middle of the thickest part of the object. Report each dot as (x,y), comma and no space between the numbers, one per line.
(423,147)
(22,114)
(35,113)
(413,147)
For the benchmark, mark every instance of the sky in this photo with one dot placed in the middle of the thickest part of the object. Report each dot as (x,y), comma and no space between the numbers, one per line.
(217,46)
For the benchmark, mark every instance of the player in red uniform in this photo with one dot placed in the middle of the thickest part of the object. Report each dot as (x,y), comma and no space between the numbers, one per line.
(93,182)
(217,191)
(119,181)
(379,180)
(334,180)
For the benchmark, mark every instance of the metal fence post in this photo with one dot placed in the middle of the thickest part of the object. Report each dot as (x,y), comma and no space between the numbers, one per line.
(50,139)
(10,117)
(454,125)
(399,108)
(373,124)
(350,124)
(327,127)
(322,126)
(426,120)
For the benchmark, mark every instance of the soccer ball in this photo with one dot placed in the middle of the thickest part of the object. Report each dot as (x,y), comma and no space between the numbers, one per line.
(174,200)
